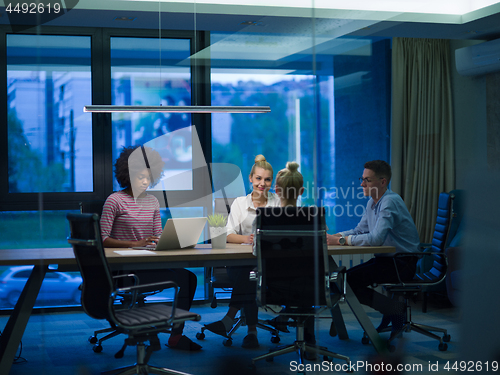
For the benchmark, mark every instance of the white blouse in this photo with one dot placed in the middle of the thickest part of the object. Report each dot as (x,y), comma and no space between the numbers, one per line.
(243,213)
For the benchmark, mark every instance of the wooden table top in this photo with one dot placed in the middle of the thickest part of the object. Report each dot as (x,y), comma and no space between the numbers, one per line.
(202,252)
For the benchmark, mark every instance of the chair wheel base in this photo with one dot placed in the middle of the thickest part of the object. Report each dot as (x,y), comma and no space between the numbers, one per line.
(227,342)
(97,348)
(443,347)
(92,339)
(200,335)
(446,338)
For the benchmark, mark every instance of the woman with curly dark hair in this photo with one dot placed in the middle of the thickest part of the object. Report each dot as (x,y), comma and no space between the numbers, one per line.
(131,217)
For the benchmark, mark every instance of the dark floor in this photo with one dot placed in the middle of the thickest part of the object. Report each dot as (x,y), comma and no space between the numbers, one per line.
(56,343)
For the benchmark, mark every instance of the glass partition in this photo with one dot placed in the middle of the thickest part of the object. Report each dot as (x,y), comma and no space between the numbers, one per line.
(329,96)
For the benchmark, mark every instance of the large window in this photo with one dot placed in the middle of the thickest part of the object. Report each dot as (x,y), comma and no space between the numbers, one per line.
(331,117)
(145,71)
(49,136)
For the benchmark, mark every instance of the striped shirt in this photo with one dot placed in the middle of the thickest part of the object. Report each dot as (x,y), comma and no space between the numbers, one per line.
(124,218)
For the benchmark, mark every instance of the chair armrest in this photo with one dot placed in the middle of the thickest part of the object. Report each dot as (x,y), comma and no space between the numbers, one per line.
(131,275)
(423,246)
(338,276)
(254,275)
(149,287)
(337,272)
(145,288)
(135,282)
(419,254)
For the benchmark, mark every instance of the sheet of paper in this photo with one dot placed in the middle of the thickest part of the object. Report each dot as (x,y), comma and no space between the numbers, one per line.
(134,252)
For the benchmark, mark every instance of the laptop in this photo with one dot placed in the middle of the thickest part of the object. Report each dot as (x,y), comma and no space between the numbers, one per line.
(179,234)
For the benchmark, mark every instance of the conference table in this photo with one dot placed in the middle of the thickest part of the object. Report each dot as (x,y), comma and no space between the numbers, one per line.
(62,259)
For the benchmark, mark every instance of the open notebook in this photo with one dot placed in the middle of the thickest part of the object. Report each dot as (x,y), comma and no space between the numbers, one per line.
(178,234)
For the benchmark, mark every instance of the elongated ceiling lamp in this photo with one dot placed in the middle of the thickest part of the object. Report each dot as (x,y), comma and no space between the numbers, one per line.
(176,109)
(172,108)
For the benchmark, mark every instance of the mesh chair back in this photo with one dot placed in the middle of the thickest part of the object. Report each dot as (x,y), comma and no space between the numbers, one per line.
(92,207)
(223,205)
(439,241)
(85,238)
(292,256)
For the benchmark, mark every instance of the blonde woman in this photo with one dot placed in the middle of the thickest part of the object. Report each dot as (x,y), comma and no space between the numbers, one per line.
(239,229)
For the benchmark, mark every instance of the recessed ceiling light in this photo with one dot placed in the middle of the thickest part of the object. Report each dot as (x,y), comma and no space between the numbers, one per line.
(124,19)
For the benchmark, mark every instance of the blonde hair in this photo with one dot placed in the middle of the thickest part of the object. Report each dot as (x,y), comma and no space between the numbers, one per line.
(260,162)
(290,180)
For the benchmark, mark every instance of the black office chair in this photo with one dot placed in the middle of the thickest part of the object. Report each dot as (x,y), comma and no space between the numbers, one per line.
(219,279)
(92,206)
(95,207)
(293,272)
(140,323)
(435,275)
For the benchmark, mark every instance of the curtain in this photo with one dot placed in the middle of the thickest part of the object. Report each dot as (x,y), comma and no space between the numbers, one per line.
(422,139)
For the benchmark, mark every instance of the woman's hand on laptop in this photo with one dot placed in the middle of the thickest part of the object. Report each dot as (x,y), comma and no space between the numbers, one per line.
(148,241)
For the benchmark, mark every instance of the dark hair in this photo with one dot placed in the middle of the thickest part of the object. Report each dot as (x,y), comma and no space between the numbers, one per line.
(125,165)
(381,169)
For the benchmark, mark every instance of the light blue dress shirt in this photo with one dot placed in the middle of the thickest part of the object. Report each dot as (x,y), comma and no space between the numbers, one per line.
(386,223)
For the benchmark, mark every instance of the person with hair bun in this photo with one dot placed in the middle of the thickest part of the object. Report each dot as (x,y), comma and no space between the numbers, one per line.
(289,186)
(239,230)
(131,217)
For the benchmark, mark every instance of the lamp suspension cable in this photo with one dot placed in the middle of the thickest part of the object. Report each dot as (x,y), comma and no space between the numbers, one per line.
(159,46)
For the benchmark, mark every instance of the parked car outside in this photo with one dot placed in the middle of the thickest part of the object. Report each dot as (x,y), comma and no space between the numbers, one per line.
(55,286)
